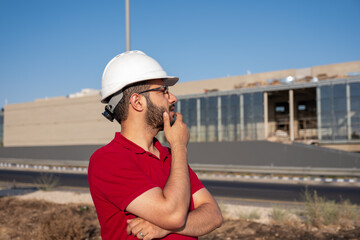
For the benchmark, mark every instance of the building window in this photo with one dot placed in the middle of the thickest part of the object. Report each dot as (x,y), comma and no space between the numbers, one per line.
(230,117)
(253,116)
(302,107)
(355,110)
(188,110)
(211,119)
(333,112)
(282,108)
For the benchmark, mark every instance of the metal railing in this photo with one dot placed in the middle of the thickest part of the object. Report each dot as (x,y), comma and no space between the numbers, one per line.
(78,165)
(272,170)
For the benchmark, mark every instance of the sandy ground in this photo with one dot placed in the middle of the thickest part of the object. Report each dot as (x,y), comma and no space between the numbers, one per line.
(66,215)
(60,197)
(230,211)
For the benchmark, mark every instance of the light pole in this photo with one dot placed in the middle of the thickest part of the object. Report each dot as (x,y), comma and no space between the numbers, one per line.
(127,24)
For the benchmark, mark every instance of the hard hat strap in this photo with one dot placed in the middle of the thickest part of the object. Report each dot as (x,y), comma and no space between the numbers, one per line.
(110,107)
(115,99)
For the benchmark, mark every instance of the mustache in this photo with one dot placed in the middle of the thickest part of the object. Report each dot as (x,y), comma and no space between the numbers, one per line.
(172,107)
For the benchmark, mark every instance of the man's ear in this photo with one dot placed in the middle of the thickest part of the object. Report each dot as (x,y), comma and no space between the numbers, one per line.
(137,102)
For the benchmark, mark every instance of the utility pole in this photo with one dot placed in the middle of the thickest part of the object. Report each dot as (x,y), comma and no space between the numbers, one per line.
(127,24)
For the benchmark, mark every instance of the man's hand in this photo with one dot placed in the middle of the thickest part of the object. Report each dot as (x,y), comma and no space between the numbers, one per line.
(178,133)
(148,230)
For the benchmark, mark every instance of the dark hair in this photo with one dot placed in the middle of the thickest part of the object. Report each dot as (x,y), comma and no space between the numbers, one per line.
(121,110)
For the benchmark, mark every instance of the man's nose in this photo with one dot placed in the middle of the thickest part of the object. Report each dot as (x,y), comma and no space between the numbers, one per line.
(172,98)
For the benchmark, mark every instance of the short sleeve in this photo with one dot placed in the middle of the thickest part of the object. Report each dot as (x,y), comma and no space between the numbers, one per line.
(118,179)
(196,184)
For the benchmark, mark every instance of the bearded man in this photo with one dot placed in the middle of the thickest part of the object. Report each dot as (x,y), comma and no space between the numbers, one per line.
(142,190)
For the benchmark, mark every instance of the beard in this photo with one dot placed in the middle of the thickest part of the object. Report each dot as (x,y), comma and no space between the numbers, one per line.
(154,116)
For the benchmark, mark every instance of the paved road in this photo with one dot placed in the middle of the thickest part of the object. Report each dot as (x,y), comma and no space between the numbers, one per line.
(228,189)
(280,191)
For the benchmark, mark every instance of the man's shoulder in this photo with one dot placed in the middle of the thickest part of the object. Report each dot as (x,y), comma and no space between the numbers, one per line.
(110,154)
(112,148)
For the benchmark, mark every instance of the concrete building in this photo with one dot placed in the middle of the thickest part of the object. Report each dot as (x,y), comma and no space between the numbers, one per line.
(318,105)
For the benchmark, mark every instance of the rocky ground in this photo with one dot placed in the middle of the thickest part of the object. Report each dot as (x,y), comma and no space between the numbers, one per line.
(68,215)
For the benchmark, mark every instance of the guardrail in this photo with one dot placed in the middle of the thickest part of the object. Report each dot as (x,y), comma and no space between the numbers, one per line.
(44,165)
(302,171)
(45,162)
(69,165)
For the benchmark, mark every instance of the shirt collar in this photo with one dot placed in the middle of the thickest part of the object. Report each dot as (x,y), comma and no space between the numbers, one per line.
(164,151)
(119,138)
(128,144)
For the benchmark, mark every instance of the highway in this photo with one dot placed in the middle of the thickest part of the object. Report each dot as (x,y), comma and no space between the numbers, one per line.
(280,191)
(285,192)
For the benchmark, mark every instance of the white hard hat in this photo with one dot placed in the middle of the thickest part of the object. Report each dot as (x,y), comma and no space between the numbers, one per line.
(131,67)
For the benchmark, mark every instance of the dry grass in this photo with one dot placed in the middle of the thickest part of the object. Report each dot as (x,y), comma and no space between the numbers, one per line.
(279,215)
(284,217)
(42,220)
(320,212)
(46,181)
(249,215)
(36,219)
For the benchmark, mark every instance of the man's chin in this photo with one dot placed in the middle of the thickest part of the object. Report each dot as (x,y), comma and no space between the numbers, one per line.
(172,117)
(172,121)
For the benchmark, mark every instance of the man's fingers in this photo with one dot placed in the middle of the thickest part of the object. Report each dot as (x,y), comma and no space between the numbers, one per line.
(129,229)
(148,237)
(132,226)
(179,117)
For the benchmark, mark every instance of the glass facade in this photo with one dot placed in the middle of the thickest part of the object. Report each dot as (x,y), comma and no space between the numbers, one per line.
(233,117)
(209,118)
(253,116)
(355,110)
(333,112)
(189,112)
(339,116)
(239,115)
(230,117)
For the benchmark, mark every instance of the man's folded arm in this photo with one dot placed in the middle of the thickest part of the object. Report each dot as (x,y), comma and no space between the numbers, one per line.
(167,208)
(203,219)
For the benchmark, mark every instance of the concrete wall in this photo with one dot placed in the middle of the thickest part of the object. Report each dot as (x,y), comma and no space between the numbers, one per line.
(339,69)
(229,83)
(58,121)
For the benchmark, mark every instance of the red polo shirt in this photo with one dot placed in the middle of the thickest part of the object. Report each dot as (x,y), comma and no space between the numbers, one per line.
(121,171)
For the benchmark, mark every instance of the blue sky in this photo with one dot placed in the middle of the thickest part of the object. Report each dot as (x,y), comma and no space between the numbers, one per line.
(56,47)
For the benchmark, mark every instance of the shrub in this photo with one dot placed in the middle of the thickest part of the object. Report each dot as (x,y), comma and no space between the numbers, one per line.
(319,211)
(254,214)
(279,215)
(46,181)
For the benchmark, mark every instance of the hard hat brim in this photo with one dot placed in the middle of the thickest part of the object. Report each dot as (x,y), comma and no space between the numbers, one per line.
(169,81)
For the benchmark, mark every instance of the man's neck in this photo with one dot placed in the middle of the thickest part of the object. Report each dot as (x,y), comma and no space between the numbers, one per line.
(142,137)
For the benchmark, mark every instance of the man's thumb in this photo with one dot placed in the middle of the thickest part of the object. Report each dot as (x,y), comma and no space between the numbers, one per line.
(166,120)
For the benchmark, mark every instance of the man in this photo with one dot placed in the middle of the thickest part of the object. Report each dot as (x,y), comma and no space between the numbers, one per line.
(142,190)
